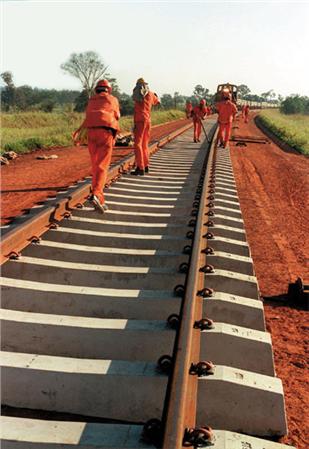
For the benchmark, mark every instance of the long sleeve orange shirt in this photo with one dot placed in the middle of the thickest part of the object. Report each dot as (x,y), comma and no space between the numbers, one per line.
(142,109)
(226,111)
(198,112)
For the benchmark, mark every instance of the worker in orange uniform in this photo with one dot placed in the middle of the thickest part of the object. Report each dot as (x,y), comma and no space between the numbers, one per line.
(189,108)
(144,100)
(226,113)
(246,113)
(198,113)
(102,123)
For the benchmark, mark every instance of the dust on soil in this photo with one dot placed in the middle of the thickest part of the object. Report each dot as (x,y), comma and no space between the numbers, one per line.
(273,188)
(28,181)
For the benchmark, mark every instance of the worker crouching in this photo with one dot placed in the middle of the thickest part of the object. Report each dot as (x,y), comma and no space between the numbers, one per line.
(144,100)
(102,123)
(198,113)
(226,113)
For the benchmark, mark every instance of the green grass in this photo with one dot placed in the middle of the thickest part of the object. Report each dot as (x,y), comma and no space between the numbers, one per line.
(26,131)
(292,129)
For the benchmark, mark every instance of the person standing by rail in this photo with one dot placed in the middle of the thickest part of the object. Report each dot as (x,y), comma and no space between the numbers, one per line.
(246,113)
(189,108)
(198,114)
(227,111)
(144,100)
(102,123)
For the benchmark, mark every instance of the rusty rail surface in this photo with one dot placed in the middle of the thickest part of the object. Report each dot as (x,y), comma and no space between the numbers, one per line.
(22,234)
(183,393)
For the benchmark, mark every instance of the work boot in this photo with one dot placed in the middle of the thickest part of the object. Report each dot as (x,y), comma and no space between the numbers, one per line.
(147,169)
(100,207)
(138,172)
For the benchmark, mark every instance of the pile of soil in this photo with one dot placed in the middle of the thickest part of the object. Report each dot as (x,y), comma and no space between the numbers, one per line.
(28,180)
(273,188)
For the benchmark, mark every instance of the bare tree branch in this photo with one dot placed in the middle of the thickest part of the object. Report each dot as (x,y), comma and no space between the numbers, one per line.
(87,67)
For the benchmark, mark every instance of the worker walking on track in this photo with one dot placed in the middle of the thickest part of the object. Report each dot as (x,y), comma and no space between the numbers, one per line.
(227,111)
(189,108)
(198,113)
(144,100)
(102,123)
(246,113)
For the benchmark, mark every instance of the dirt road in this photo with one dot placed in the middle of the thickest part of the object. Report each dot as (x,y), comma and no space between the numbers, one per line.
(273,187)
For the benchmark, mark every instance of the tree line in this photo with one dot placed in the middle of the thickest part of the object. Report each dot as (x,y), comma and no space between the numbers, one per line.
(88,68)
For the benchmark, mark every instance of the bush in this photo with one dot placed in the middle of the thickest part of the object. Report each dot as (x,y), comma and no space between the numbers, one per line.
(295,104)
(47,105)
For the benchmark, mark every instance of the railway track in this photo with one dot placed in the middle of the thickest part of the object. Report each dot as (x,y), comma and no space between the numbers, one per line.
(142,328)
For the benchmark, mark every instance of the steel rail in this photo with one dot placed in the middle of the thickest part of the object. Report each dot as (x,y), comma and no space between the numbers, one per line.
(22,234)
(182,402)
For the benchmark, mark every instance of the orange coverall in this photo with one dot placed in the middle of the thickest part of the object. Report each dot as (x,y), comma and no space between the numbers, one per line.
(198,113)
(189,108)
(142,124)
(102,121)
(246,113)
(227,111)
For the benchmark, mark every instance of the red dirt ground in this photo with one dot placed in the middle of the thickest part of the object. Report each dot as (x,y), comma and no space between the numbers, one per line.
(27,180)
(273,187)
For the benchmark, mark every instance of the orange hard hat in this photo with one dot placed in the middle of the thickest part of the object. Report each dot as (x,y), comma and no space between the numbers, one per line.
(202,102)
(104,83)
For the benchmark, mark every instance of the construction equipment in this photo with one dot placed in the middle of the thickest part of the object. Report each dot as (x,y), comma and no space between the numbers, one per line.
(222,88)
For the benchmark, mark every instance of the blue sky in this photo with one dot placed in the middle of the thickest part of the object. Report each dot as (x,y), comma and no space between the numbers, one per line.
(174,45)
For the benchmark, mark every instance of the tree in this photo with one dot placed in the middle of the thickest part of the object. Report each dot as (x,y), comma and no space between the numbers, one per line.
(167,101)
(126,104)
(115,88)
(295,104)
(267,96)
(280,98)
(200,91)
(47,105)
(8,93)
(81,101)
(243,90)
(177,98)
(87,67)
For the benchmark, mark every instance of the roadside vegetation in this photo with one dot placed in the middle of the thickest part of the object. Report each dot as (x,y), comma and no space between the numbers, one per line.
(292,129)
(26,131)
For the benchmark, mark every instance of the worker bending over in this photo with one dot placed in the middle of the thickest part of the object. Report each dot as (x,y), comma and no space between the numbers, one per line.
(198,113)
(102,123)
(144,99)
(226,113)
(189,108)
